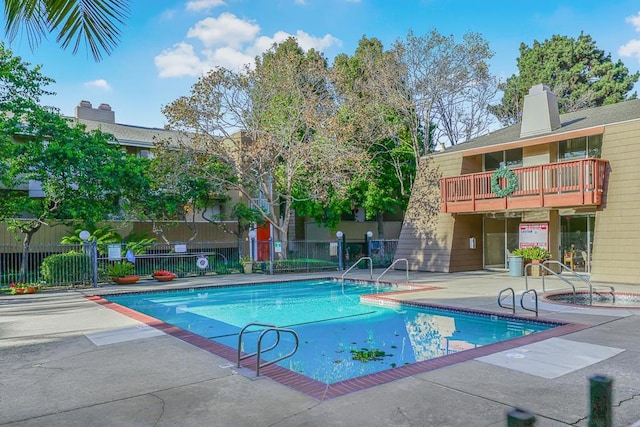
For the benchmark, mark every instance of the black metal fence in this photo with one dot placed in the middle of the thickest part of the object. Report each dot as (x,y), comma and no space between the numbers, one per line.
(89,263)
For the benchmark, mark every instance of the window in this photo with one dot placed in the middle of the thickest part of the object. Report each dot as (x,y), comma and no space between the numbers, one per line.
(580,148)
(509,158)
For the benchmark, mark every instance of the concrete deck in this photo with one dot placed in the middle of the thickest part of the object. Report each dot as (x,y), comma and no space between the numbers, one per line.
(68,361)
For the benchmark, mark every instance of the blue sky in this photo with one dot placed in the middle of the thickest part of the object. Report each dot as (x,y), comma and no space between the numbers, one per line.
(167,44)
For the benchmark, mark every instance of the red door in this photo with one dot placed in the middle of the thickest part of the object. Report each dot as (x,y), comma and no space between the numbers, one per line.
(263,233)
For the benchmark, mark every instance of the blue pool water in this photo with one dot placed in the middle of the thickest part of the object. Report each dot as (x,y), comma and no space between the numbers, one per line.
(335,329)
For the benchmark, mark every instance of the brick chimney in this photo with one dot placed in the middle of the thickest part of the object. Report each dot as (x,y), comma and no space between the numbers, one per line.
(540,112)
(103,113)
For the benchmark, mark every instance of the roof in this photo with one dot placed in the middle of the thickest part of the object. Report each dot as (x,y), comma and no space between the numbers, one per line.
(569,122)
(129,135)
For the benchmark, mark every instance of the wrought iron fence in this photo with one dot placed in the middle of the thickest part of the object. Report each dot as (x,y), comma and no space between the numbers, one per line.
(55,264)
(192,259)
(89,263)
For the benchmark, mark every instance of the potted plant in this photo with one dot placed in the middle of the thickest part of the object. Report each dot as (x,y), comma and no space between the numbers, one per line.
(533,255)
(164,275)
(247,264)
(122,273)
(24,287)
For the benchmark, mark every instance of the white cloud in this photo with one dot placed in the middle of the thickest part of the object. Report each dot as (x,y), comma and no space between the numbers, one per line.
(635,21)
(179,61)
(99,83)
(307,41)
(227,29)
(198,5)
(228,57)
(228,42)
(631,48)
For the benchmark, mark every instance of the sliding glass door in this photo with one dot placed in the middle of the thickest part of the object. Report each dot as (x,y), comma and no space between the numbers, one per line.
(500,239)
(576,240)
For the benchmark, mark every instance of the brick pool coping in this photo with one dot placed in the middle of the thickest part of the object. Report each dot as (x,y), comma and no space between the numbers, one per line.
(321,391)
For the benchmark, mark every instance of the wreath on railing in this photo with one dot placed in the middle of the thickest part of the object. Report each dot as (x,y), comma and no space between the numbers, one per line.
(512,182)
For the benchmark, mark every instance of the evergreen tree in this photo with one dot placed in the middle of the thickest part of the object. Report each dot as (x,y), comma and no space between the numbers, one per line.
(580,74)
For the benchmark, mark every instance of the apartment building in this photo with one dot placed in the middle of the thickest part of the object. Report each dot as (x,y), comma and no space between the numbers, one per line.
(570,183)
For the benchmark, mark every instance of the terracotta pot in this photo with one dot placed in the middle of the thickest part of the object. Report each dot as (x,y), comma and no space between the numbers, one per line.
(20,290)
(166,278)
(125,280)
(31,290)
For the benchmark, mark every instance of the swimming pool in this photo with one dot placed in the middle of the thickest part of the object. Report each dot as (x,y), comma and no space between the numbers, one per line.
(341,338)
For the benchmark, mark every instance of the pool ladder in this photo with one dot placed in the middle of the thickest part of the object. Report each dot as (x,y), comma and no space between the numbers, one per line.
(406,262)
(268,328)
(512,307)
(364,258)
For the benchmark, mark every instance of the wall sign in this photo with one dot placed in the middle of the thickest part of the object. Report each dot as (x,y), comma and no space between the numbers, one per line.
(113,251)
(534,234)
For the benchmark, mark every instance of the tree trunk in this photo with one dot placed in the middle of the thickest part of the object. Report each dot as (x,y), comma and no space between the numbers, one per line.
(380,220)
(24,264)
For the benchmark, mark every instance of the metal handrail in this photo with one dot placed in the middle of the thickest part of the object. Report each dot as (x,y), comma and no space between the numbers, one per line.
(574,274)
(391,266)
(545,268)
(358,262)
(246,356)
(535,299)
(271,362)
(513,299)
(258,353)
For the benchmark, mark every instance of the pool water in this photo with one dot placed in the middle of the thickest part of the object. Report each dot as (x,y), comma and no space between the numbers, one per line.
(340,337)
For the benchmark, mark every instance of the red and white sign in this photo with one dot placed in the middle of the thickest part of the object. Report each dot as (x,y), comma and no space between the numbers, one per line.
(534,234)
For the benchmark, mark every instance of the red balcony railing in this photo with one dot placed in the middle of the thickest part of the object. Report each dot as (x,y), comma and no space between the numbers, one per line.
(563,184)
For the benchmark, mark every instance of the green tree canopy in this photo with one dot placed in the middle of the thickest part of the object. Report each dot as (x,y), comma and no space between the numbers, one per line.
(580,74)
(274,127)
(52,171)
(366,83)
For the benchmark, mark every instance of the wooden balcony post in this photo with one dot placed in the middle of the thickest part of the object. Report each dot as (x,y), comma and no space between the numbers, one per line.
(541,185)
(473,191)
(581,178)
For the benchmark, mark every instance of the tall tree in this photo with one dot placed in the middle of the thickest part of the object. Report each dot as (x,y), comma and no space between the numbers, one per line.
(83,176)
(580,74)
(367,84)
(273,126)
(441,75)
(95,23)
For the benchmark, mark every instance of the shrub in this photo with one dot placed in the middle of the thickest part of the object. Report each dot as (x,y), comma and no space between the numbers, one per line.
(533,253)
(120,269)
(67,268)
(302,264)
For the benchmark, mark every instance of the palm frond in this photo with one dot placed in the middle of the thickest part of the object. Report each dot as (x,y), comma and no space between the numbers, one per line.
(96,23)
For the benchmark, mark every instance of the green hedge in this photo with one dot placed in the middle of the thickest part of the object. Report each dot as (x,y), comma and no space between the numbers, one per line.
(301,264)
(69,268)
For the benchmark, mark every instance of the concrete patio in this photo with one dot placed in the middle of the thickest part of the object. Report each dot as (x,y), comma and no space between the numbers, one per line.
(69,361)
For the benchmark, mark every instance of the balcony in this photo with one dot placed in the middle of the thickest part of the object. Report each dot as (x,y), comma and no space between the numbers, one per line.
(553,185)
